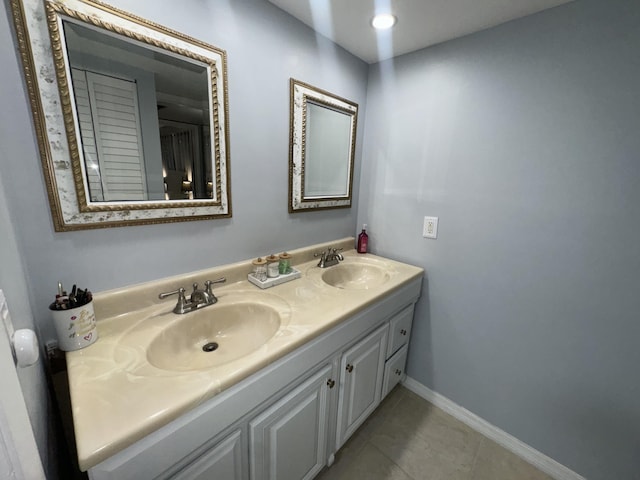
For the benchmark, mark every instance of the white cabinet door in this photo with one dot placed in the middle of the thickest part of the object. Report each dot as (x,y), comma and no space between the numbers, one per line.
(19,457)
(362,368)
(288,440)
(223,461)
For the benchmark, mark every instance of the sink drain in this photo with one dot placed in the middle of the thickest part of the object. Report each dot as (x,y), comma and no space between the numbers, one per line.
(209,347)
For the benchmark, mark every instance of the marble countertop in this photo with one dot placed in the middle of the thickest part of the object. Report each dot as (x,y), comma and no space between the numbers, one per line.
(118,397)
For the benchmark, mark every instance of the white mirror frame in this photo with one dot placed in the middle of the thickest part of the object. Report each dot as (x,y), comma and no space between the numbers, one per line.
(302,93)
(47,82)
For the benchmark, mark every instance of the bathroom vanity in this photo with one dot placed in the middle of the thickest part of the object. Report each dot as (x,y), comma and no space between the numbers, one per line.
(149,403)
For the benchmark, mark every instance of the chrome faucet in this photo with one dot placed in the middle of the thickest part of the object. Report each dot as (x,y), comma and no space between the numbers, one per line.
(329,257)
(198,298)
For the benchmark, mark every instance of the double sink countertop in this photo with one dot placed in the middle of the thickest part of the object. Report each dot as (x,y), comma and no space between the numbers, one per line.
(136,378)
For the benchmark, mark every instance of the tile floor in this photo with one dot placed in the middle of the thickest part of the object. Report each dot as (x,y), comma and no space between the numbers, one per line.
(407,438)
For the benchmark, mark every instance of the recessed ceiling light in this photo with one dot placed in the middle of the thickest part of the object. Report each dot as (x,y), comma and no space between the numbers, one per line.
(383,21)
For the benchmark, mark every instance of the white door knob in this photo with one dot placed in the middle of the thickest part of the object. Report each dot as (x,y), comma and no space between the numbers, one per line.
(25,345)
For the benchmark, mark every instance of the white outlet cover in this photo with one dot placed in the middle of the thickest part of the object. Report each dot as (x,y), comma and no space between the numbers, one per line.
(430,227)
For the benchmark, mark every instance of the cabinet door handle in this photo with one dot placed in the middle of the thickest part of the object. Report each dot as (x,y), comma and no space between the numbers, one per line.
(331,383)
(403,331)
(398,372)
(349,368)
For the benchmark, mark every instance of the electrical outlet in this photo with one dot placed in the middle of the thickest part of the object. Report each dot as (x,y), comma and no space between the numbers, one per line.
(430,227)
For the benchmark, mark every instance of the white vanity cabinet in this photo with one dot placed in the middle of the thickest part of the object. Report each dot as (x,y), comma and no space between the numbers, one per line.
(286,421)
(362,368)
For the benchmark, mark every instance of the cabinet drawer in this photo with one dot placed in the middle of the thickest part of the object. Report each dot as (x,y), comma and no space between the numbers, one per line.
(394,370)
(400,329)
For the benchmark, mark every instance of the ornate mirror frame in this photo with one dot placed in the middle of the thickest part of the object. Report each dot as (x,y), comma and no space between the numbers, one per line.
(38,24)
(302,95)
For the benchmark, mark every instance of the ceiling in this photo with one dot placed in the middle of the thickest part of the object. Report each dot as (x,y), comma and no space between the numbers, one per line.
(421,23)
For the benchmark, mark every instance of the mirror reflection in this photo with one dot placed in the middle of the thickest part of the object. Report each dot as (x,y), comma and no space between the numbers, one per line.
(143,118)
(327,146)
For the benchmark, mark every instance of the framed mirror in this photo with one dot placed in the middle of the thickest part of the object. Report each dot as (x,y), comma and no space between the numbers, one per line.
(131,117)
(321,148)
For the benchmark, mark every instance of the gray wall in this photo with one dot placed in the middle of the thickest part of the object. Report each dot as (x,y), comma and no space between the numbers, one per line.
(265,48)
(524,141)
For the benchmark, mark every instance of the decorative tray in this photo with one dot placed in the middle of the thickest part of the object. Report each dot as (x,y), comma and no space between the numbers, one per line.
(273,281)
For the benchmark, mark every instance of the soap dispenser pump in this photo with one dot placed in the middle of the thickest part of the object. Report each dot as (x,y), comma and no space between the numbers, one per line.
(363,240)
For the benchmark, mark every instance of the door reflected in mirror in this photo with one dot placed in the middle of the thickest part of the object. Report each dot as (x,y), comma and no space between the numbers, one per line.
(322,148)
(143,117)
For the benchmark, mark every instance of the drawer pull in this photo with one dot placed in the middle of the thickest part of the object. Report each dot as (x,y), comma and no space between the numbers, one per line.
(331,383)
(349,368)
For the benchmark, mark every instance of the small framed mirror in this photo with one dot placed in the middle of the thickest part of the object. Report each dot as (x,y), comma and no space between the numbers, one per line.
(321,148)
(131,117)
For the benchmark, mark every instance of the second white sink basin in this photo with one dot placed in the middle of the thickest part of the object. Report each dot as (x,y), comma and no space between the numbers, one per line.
(355,276)
(213,336)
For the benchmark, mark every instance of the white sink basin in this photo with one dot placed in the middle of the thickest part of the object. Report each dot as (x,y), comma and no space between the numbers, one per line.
(213,336)
(355,276)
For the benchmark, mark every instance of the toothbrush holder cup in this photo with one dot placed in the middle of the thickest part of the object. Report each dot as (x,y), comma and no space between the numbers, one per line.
(75,327)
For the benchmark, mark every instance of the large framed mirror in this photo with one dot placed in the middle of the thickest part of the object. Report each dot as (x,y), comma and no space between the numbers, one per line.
(321,148)
(131,117)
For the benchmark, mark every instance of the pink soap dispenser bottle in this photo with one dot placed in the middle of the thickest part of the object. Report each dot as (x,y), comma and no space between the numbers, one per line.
(363,240)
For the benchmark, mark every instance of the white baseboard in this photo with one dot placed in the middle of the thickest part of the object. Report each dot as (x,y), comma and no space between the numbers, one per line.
(511,443)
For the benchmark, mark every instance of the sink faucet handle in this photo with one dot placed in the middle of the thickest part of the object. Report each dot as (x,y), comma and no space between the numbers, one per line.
(179,292)
(208,284)
(195,286)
